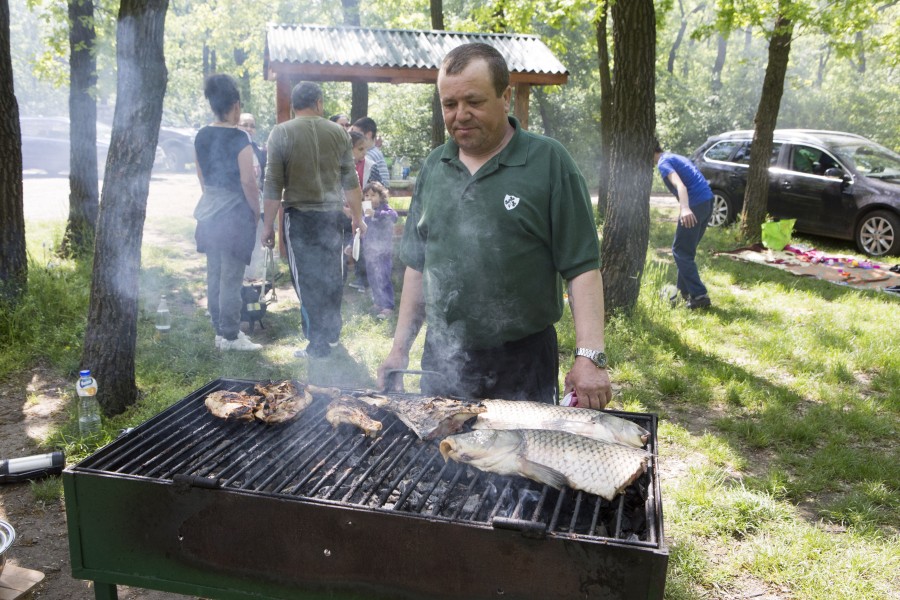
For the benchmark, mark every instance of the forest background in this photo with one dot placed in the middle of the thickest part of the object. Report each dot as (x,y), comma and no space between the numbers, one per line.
(708,80)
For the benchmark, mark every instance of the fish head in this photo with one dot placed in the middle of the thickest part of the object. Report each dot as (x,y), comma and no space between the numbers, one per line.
(476,446)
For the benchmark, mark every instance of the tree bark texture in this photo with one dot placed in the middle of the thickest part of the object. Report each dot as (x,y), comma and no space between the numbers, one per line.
(110,338)
(626,229)
(719,65)
(606,116)
(756,195)
(84,191)
(13,259)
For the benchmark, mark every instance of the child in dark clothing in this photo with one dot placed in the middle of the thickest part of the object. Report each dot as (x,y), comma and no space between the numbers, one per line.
(378,245)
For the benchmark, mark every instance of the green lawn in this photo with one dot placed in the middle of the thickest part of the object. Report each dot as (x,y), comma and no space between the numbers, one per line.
(778,407)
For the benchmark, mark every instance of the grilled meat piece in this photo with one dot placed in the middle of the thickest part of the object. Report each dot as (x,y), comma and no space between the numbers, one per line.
(556,458)
(429,418)
(352,411)
(275,403)
(282,401)
(236,406)
(598,425)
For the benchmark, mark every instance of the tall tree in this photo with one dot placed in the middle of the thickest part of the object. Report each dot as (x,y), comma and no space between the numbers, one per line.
(606,111)
(756,194)
(110,338)
(626,229)
(83,187)
(13,259)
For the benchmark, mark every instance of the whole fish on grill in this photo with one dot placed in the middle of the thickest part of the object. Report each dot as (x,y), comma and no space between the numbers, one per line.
(598,425)
(556,458)
(352,411)
(429,418)
(234,406)
(274,403)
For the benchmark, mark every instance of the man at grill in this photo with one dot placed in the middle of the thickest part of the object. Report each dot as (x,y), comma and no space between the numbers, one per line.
(310,172)
(499,217)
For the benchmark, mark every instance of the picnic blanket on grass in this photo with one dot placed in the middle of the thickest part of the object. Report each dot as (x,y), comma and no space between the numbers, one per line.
(809,262)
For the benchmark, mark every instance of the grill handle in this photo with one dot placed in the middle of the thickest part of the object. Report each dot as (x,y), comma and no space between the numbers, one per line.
(530,529)
(188,481)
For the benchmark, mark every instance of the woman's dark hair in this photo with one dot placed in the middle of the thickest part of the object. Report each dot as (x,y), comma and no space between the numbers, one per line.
(222,92)
(657,147)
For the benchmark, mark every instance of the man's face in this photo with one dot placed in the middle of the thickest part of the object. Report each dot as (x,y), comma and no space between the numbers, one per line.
(343,122)
(473,114)
(248,124)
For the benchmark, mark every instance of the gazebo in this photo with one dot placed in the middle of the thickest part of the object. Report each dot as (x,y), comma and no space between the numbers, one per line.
(342,53)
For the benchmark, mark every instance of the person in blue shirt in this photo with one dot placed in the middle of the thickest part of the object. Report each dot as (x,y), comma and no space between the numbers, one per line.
(695,197)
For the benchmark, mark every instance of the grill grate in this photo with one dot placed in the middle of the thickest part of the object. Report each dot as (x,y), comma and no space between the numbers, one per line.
(307,459)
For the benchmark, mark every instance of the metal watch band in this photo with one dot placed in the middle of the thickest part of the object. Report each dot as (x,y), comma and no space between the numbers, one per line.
(595,356)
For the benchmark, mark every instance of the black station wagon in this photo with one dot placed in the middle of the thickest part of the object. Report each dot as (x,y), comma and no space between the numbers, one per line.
(835,184)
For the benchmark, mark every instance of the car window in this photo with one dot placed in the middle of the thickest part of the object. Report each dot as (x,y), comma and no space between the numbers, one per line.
(806,159)
(722,151)
(742,156)
(871,160)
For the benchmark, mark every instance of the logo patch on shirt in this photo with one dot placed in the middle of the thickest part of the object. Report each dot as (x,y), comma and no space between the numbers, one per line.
(510,202)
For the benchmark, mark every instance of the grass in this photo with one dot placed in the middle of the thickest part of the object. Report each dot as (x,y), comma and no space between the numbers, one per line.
(778,407)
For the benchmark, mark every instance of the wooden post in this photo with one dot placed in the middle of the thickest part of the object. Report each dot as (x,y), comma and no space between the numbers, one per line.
(282,98)
(520,110)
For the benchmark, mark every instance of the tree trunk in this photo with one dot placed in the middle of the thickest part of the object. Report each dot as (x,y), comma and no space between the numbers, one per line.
(673,51)
(719,65)
(606,116)
(110,339)
(13,259)
(824,55)
(83,187)
(626,229)
(756,195)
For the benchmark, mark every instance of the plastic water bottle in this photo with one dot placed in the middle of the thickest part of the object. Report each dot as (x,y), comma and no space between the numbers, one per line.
(88,407)
(163,317)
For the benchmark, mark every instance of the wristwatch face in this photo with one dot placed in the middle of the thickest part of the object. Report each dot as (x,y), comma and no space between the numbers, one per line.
(595,356)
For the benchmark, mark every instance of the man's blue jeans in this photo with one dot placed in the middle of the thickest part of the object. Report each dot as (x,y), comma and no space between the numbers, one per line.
(684,250)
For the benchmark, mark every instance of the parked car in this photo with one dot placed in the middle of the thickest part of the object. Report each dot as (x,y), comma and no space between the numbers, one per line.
(177,144)
(45,144)
(835,184)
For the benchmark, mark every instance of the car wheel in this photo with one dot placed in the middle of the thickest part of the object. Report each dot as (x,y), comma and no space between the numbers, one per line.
(722,210)
(878,233)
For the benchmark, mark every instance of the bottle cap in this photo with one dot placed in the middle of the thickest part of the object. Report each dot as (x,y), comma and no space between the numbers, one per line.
(85,373)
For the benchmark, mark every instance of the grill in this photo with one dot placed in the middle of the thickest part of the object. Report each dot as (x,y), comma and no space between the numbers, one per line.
(191,504)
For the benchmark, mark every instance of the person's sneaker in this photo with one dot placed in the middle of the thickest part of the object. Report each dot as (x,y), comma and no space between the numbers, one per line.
(384,314)
(669,293)
(699,302)
(239,343)
(357,286)
(300,353)
(220,339)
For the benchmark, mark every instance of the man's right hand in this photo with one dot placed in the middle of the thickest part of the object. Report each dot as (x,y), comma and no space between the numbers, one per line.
(394,362)
(268,236)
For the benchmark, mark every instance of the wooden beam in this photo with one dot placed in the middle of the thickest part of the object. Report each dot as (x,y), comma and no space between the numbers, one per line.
(520,110)
(282,98)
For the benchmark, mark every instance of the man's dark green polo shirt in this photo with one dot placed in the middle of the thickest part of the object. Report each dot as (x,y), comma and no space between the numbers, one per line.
(494,246)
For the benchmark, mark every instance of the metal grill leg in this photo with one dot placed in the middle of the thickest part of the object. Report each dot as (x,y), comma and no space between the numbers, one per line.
(105,591)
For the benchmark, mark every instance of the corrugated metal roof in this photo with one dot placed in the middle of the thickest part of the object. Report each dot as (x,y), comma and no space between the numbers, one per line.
(345,46)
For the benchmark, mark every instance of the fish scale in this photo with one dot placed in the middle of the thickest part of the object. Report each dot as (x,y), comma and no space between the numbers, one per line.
(521,414)
(555,458)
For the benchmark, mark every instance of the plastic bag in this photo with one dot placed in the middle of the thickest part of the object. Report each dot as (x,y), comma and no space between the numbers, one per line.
(777,234)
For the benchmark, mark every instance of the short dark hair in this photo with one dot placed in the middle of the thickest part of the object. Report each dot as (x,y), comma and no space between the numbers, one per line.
(222,92)
(657,147)
(334,118)
(460,57)
(305,95)
(366,125)
(356,137)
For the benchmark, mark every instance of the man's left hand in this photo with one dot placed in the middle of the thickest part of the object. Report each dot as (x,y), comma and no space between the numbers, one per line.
(591,384)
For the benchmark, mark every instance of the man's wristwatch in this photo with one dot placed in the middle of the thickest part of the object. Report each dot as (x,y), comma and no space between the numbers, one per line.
(596,356)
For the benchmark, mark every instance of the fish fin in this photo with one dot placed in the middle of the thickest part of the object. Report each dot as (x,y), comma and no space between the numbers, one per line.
(542,473)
